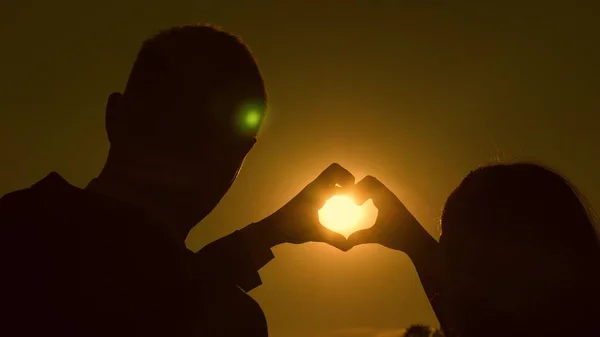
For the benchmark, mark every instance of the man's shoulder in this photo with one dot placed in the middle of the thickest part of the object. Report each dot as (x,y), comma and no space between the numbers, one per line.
(15,198)
(53,202)
(30,201)
(16,208)
(36,217)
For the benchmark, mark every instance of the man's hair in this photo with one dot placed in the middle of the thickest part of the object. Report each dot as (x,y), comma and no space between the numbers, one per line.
(198,62)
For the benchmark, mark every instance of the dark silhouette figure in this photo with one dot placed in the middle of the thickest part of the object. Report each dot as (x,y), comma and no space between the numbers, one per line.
(110,259)
(422,331)
(518,255)
(520,251)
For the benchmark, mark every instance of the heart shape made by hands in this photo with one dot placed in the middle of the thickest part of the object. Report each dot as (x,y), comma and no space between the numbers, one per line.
(342,215)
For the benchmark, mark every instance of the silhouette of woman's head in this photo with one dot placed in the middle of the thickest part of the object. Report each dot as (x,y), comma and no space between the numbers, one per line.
(520,249)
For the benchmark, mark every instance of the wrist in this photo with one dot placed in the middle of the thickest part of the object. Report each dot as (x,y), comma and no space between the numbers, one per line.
(422,245)
(262,233)
(256,246)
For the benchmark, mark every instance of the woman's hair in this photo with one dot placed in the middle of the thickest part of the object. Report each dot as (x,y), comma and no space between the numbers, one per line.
(522,199)
(527,237)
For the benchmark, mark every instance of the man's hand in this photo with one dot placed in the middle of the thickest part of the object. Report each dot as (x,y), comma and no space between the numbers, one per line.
(395,227)
(298,221)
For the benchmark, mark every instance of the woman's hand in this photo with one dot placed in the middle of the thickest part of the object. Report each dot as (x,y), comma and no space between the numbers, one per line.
(395,227)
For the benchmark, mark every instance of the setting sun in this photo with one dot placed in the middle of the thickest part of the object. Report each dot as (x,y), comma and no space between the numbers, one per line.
(340,214)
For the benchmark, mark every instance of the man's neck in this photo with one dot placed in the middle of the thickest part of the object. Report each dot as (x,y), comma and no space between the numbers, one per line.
(156,204)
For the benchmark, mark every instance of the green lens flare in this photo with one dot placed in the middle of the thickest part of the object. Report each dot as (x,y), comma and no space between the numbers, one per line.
(252,119)
(249,118)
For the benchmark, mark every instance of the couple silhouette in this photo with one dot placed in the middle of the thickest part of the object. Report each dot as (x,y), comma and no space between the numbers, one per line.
(518,255)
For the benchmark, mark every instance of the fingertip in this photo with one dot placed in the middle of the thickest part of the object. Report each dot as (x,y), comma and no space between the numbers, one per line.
(346,178)
(335,239)
(358,198)
(353,240)
(359,237)
(344,246)
(339,175)
(368,181)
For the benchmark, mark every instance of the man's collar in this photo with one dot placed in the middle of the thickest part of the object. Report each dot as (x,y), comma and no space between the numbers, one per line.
(107,190)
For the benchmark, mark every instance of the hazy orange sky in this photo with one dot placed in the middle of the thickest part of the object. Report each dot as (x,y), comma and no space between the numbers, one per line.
(417,95)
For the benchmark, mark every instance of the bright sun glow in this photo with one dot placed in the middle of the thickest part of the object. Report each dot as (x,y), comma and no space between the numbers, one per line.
(340,214)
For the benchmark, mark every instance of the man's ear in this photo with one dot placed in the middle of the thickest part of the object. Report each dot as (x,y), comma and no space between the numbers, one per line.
(114,116)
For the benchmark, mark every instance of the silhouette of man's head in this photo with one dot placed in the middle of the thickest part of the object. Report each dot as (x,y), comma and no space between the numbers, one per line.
(189,114)
(520,250)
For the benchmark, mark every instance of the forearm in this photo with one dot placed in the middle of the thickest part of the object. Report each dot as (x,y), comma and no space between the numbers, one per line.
(425,254)
(238,256)
(260,236)
(258,241)
(425,257)
(429,276)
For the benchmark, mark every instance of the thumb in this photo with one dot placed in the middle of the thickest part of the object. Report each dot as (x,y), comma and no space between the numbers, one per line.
(335,239)
(362,236)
